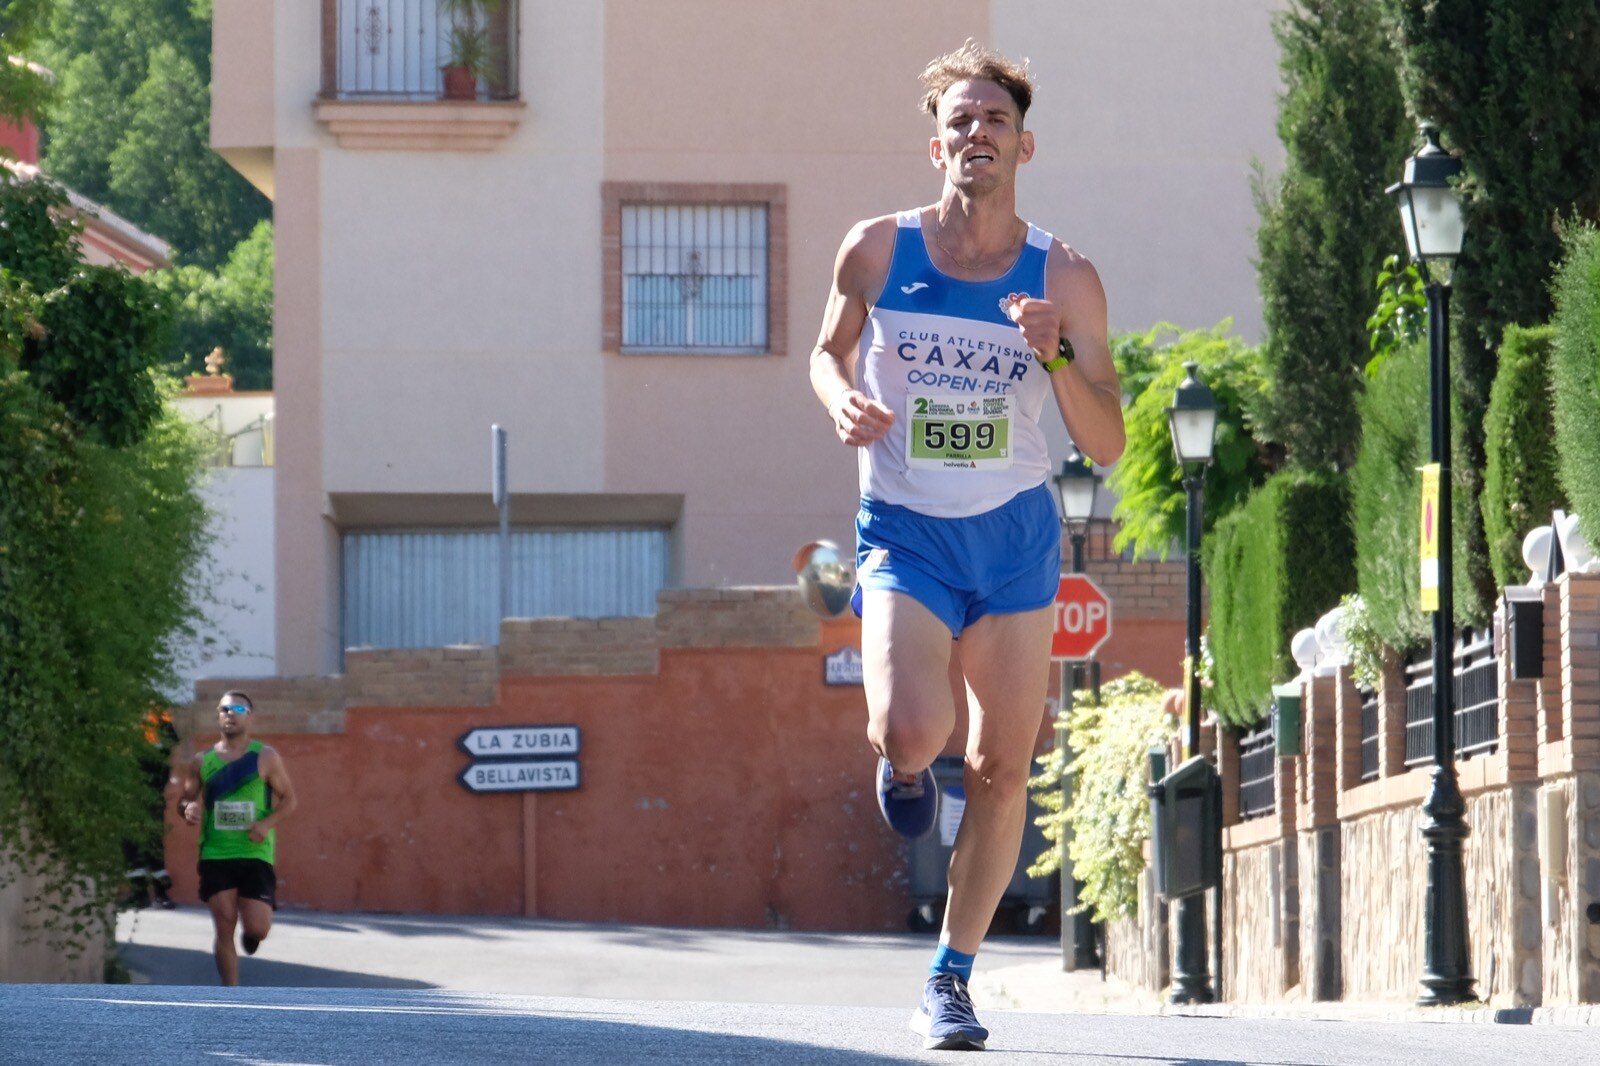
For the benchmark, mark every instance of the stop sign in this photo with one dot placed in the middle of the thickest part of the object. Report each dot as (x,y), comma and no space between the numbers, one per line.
(1083,618)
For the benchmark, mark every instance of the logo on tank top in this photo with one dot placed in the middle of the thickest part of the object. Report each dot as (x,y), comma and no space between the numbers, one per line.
(914,287)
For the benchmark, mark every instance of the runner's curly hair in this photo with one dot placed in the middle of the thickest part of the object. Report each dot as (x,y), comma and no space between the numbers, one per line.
(973,62)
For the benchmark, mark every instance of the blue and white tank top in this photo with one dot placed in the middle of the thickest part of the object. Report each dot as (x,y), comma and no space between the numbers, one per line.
(966,390)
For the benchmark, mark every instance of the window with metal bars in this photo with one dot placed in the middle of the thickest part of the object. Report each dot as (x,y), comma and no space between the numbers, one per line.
(694,277)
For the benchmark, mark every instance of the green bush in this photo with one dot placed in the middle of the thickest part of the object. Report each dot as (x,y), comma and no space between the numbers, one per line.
(1575,371)
(1520,484)
(1150,497)
(1385,489)
(100,534)
(1109,815)
(1274,567)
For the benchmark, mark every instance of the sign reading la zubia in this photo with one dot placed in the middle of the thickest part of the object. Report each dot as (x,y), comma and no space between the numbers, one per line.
(520,741)
(521,775)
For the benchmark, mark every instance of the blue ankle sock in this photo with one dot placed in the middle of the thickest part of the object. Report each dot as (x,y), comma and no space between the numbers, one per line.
(949,960)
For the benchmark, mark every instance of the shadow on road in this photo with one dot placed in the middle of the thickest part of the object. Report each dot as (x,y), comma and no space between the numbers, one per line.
(139,1026)
(180,966)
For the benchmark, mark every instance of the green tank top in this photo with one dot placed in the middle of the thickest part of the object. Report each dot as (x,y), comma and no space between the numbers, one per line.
(235,797)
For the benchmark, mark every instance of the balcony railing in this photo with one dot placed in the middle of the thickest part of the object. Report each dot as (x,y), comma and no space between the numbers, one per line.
(396,50)
(1477,701)
(1258,771)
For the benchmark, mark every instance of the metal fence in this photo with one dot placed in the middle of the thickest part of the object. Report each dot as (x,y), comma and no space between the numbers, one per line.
(395,49)
(1477,700)
(1258,772)
(1369,735)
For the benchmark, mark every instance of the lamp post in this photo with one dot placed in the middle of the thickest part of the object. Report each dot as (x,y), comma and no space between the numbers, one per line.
(1431,213)
(1078,486)
(1193,418)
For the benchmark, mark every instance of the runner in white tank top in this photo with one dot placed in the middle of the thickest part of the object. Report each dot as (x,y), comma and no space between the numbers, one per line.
(919,367)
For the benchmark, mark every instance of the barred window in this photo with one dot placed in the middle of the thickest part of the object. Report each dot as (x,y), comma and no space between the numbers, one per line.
(692,268)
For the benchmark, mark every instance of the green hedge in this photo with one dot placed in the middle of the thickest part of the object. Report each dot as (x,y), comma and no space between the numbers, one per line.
(1385,490)
(1274,567)
(1520,485)
(1575,371)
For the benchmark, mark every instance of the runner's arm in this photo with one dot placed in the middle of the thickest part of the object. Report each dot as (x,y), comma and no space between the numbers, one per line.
(1087,389)
(189,805)
(284,798)
(858,274)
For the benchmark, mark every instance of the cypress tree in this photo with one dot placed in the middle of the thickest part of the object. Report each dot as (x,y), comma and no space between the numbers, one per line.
(1325,224)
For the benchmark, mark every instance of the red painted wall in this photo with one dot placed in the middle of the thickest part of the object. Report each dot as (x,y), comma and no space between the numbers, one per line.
(733,788)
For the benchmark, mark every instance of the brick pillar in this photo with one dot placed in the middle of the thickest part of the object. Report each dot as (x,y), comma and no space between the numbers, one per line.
(1392,716)
(1580,668)
(1320,845)
(1580,721)
(1228,770)
(1347,730)
(1518,716)
(1547,690)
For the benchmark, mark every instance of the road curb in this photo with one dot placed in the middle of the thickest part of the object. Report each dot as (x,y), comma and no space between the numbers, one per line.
(1576,1015)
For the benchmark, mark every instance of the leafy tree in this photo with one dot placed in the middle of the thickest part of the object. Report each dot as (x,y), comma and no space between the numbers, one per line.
(1325,223)
(23,92)
(1147,481)
(88,106)
(100,530)
(1515,87)
(135,134)
(97,329)
(230,309)
(1109,814)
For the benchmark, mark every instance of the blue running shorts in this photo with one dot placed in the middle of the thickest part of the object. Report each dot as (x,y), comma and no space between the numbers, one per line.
(1003,561)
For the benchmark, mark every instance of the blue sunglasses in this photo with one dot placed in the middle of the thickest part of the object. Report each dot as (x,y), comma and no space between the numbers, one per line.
(234,708)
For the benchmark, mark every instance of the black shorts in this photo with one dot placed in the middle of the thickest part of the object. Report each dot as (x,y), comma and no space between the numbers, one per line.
(253,878)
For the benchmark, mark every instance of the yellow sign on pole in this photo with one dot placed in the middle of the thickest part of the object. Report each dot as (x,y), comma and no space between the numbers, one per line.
(1429,526)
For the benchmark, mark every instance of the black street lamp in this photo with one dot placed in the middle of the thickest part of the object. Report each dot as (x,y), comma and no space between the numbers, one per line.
(1431,212)
(1193,418)
(1078,486)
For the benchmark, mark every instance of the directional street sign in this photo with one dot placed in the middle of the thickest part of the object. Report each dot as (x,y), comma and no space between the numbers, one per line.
(1083,618)
(521,740)
(526,775)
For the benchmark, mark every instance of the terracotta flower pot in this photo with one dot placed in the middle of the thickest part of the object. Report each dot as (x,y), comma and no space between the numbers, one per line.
(459,83)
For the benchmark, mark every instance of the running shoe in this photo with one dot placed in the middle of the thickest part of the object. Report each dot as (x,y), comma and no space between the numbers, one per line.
(910,807)
(249,944)
(945,1018)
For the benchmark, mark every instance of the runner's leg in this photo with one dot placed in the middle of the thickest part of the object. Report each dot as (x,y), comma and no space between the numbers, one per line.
(1006,658)
(256,918)
(906,667)
(225,916)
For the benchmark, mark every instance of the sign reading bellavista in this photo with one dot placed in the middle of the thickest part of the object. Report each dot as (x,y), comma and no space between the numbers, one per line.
(843,667)
(521,741)
(521,775)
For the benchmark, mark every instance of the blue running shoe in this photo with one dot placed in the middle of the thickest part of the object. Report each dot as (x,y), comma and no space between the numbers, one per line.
(910,808)
(945,1019)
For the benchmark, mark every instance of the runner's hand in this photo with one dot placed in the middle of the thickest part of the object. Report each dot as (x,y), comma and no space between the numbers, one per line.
(258,832)
(1040,323)
(191,812)
(858,420)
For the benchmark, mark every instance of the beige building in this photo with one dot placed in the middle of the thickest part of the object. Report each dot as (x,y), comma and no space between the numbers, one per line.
(619,250)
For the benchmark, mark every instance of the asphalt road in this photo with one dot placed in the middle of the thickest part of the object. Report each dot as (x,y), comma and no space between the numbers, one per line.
(342,990)
(47,1025)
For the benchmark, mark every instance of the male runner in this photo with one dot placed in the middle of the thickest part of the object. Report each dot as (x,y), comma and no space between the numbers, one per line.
(946,329)
(237,791)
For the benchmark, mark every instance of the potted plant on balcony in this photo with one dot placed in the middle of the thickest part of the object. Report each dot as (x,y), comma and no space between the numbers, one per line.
(468,59)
